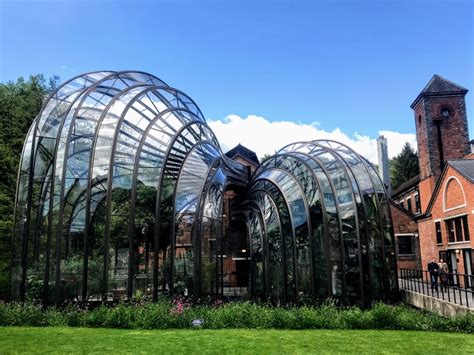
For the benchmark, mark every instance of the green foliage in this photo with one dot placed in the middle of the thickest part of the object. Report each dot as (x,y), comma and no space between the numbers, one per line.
(27,314)
(404,166)
(179,315)
(20,103)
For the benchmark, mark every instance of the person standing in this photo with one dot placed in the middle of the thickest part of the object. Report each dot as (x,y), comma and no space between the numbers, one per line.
(443,274)
(433,269)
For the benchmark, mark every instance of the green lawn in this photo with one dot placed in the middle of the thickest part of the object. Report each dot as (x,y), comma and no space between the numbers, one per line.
(41,340)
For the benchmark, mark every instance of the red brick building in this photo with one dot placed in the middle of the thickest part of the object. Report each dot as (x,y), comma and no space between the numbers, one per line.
(405,208)
(437,207)
(236,256)
(407,237)
(448,223)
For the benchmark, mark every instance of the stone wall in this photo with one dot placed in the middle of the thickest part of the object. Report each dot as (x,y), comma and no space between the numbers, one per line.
(435,305)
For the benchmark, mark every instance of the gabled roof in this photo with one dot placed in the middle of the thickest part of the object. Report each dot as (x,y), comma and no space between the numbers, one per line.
(439,86)
(244,152)
(406,185)
(465,167)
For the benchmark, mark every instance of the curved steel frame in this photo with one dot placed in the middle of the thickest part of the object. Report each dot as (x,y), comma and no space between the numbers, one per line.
(117,131)
(362,251)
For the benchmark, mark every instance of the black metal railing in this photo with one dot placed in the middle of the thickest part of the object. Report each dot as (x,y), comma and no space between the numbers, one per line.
(452,287)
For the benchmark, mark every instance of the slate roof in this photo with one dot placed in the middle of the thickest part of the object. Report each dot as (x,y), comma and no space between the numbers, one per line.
(465,167)
(406,185)
(439,86)
(244,153)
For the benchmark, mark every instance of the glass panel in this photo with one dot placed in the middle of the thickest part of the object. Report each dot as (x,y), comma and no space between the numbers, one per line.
(332,240)
(211,233)
(373,262)
(299,250)
(347,213)
(257,265)
(278,242)
(192,178)
(47,138)
(388,240)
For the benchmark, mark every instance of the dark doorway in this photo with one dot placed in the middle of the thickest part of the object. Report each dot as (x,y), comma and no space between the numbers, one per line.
(242,270)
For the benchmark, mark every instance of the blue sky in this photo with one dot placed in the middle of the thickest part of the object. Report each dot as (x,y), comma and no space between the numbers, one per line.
(352,65)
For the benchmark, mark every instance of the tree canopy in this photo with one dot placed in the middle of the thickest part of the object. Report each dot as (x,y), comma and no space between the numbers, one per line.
(20,102)
(404,166)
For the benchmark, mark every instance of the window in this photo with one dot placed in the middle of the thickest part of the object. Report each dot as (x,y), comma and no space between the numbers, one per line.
(445,113)
(405,246)
(457,224)
(409,204)
(417,203)
(419,120)
(450,230)
(457,229)
(402,204)
(466,228)
(439,234)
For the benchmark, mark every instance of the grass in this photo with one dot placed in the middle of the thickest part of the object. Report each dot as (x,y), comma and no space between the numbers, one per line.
(100,340)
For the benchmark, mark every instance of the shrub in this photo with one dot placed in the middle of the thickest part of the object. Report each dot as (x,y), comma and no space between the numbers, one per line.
(120,316)
(55,317)
(95,318)
(310,318)
(355,318)
(153,316)
(383,316)
(239,315)
(74,316)
(180,314)
(26,314)
(463,323)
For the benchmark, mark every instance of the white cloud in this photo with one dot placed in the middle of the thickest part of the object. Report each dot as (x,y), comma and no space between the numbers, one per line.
(265,137)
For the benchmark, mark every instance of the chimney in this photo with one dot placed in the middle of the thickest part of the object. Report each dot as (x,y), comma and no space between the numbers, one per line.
(384,168)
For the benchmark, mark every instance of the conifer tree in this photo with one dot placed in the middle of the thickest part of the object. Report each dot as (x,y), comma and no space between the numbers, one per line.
(404,166)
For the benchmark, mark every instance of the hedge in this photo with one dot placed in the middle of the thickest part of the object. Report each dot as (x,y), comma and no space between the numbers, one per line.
(180,315)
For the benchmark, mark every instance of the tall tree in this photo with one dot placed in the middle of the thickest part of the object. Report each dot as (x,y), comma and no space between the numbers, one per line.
(20,102)
(404,166)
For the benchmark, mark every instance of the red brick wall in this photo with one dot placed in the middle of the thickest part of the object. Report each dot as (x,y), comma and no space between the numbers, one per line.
(405,224)
(426,188)
(422,139)
(427,237)
(454,194)
(427,232)
(454,132)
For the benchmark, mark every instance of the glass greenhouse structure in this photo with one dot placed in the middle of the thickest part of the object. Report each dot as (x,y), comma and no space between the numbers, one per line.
(123,189)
